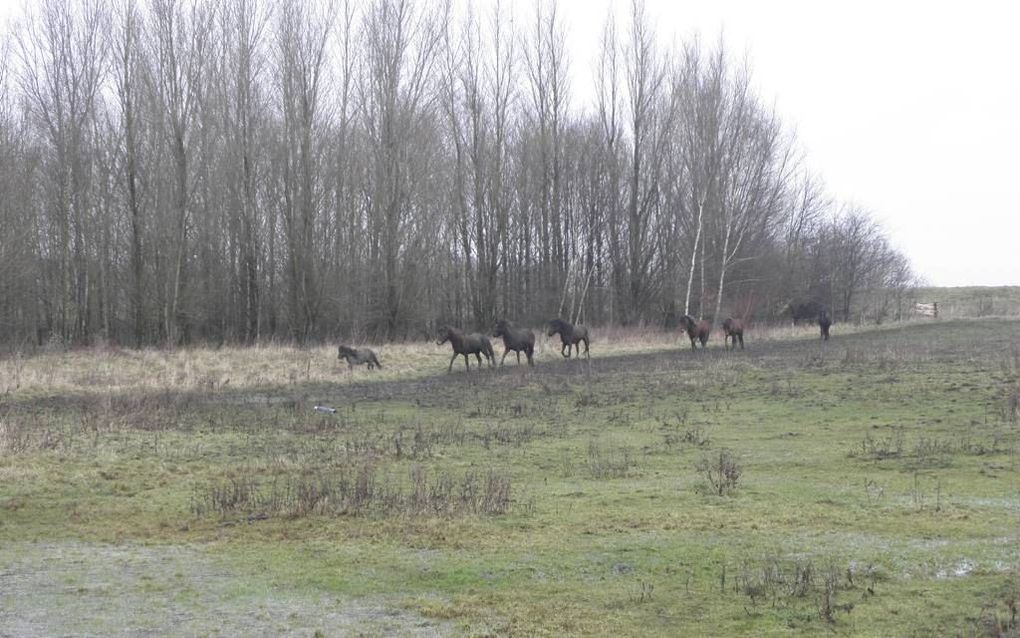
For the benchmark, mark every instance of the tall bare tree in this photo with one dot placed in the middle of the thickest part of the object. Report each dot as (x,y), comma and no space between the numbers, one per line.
(243,170)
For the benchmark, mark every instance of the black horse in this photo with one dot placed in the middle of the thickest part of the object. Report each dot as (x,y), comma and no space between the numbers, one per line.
(516,339)
(358,356)
(824,322)
(696,330)
(734,330)
(570,336)
(476,344)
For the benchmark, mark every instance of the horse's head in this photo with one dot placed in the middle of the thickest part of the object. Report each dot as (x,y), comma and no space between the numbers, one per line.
(502,326)
(444,335)
(687,322)
(556,325)
(342,352)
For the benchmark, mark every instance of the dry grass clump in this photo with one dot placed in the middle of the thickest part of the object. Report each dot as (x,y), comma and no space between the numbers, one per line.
(359,489)
(114,370)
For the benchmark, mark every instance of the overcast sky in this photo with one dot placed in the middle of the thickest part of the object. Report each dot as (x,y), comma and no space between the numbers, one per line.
(909,109)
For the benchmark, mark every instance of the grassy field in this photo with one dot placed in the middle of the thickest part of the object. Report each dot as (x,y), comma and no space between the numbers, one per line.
(973,301)
(866,486)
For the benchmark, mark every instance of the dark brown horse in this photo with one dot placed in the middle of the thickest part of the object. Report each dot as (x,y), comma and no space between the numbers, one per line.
(824,322)
(570,336)
(696,329)
(476,344)
(516,339)
(733,329)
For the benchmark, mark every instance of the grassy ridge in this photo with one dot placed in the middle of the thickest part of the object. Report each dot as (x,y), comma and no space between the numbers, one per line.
(876,495)
(973,301)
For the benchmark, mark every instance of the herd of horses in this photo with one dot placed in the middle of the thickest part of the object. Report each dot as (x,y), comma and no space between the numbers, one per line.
(518,340)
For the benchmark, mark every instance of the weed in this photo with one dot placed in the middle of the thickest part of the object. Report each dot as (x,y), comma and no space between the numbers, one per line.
(722,471)
(932,451)
(606,462)
(877,448)
(361,490)
(643,592)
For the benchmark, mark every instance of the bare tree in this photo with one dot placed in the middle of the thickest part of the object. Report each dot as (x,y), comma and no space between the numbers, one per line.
(62,55)
(546,112)
(401,46)
(302,37)
(241,170)
(180,32)
(650,125)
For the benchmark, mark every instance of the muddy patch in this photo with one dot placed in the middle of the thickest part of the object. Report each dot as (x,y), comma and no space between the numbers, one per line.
(79,589)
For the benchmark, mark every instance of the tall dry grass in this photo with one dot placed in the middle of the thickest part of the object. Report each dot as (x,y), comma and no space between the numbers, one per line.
(110,369)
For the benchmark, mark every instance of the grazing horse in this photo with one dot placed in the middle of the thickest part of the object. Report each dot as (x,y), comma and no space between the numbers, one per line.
(570,336)
(516,339)
(734,330)
(355,356)
(824,321)
(696,330)
(475,344)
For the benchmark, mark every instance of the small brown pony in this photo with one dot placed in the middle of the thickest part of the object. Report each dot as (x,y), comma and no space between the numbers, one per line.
(476,344)
(734,331)
(358,356)
(696,330)
(571,336)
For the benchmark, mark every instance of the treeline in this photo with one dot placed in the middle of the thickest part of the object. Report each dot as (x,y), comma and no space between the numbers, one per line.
(242,170)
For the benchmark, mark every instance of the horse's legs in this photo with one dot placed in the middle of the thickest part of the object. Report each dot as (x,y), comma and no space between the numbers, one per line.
(450,367)
(478,355)
(585,349)
(505,353)
(565,346)
(741,341)
(467,358)
(518,352)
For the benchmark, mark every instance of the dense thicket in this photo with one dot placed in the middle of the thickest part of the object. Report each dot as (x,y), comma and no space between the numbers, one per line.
(241,170)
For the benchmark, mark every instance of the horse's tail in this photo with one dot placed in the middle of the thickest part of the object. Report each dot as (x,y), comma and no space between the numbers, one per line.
(375,360)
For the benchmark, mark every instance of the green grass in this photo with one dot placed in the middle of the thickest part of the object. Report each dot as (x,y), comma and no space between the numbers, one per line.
(973,301)
(882,464)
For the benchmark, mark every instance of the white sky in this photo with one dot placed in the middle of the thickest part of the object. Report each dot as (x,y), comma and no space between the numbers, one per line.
(910,109)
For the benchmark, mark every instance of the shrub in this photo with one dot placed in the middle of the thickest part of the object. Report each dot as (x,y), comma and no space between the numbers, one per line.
(722,472)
